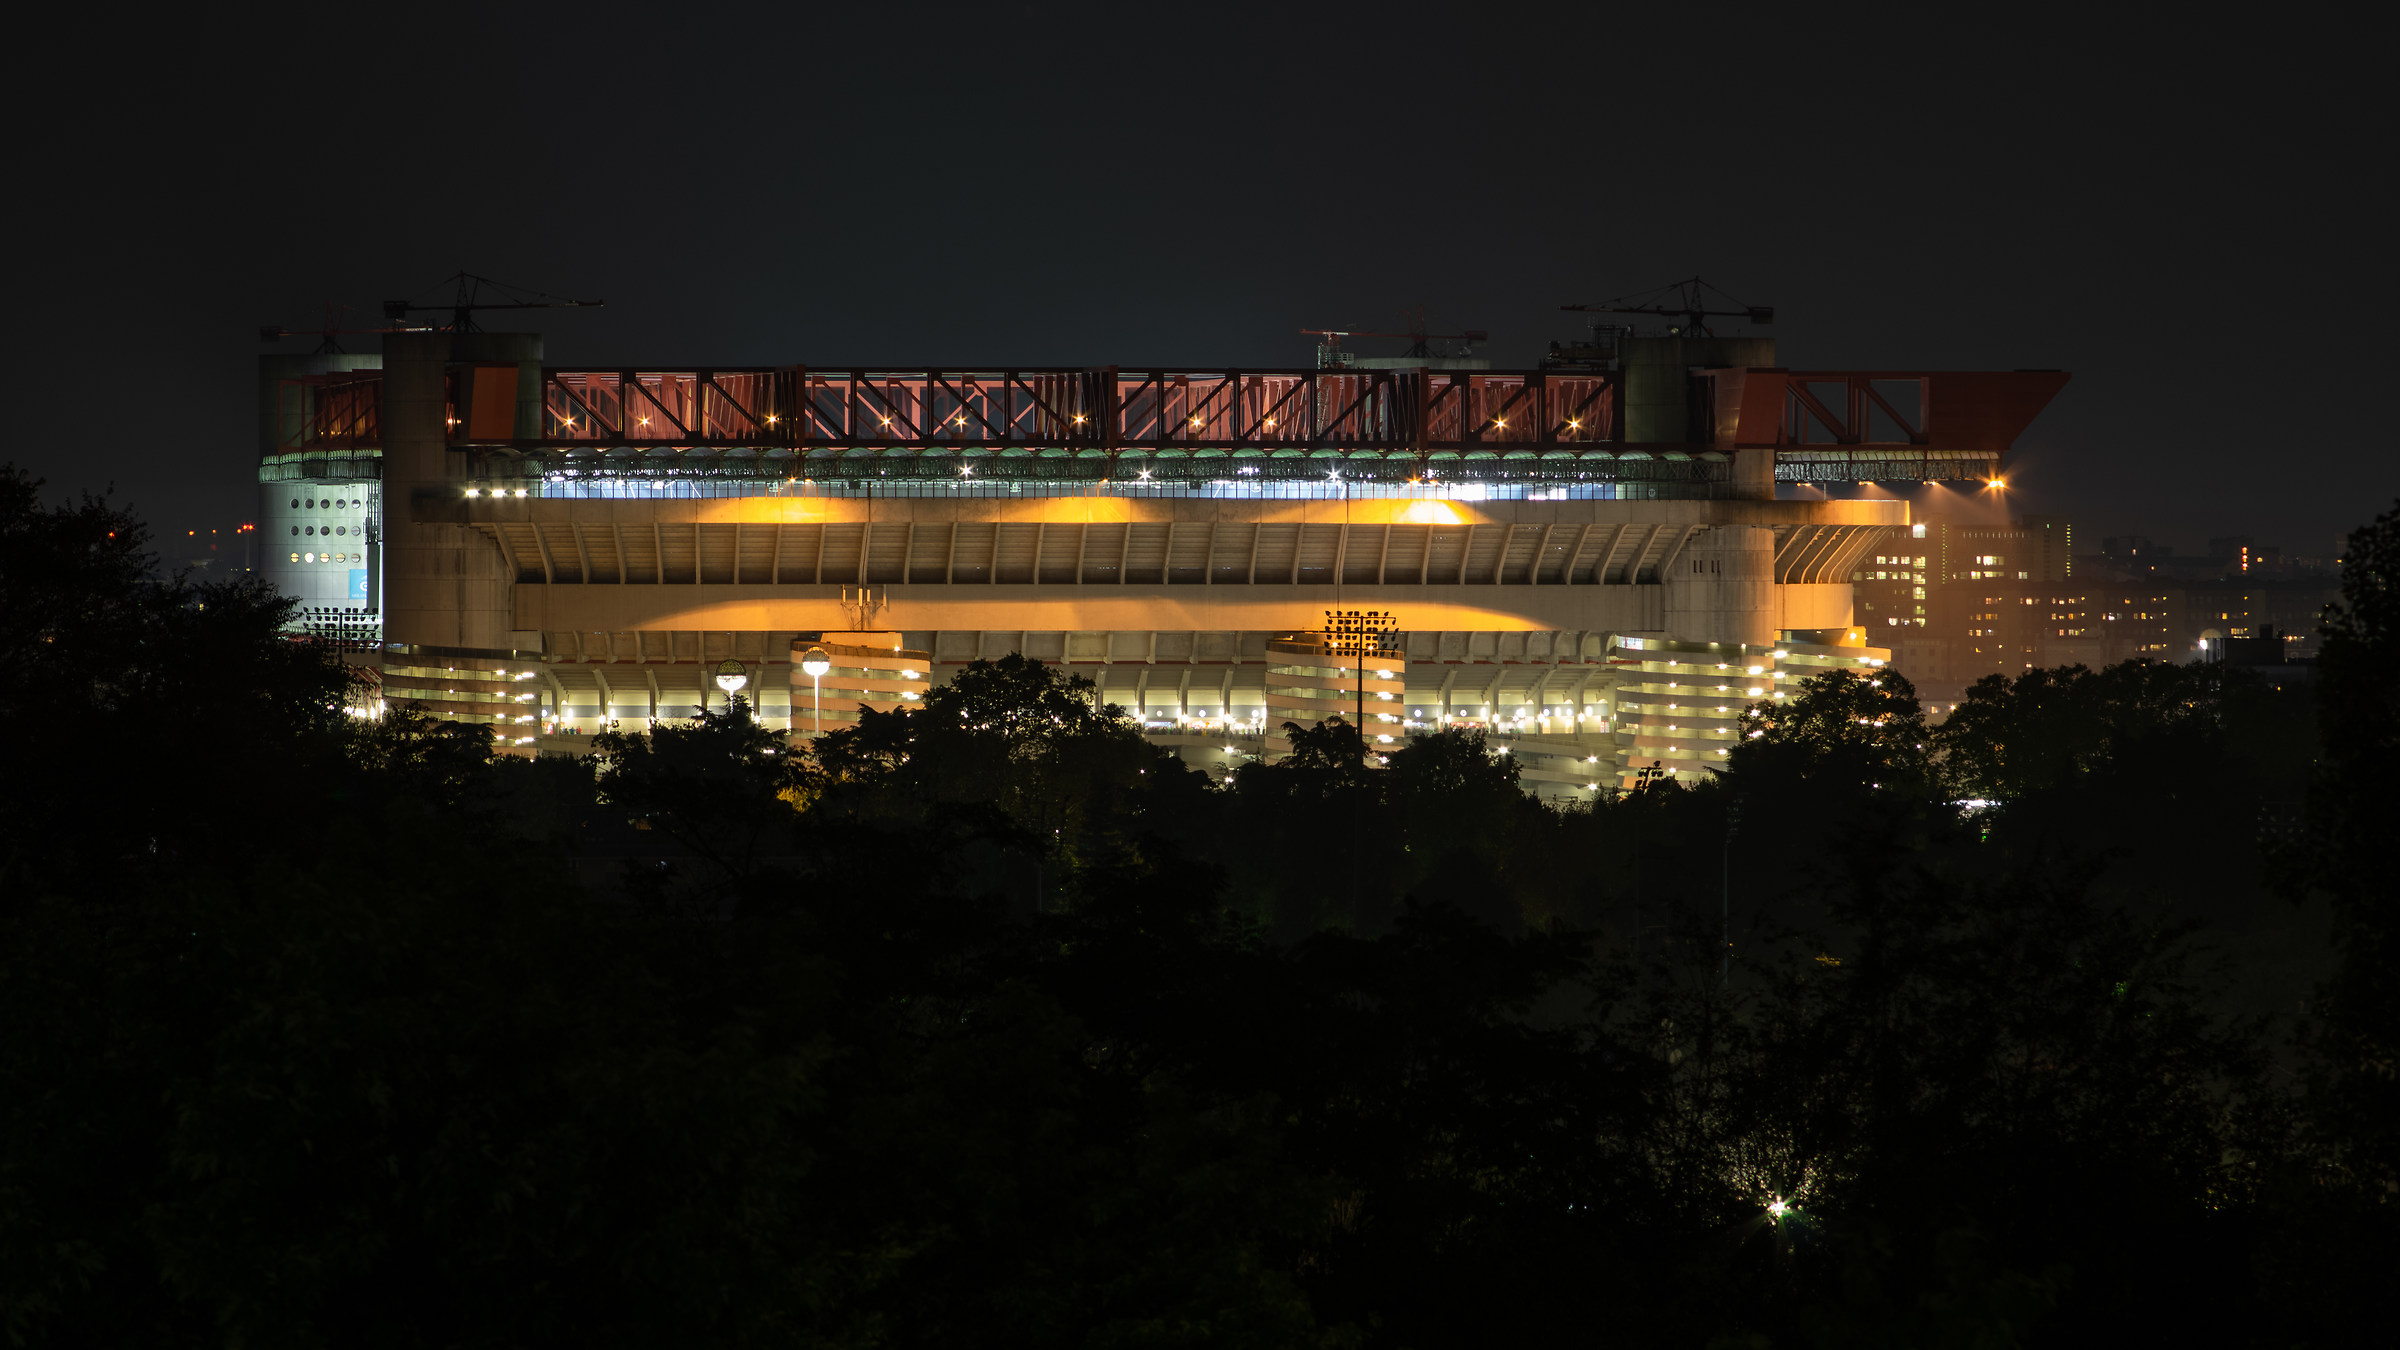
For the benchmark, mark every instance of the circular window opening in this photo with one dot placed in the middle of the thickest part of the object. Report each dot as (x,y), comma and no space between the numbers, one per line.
(295,531)
(339,529)
(295,503)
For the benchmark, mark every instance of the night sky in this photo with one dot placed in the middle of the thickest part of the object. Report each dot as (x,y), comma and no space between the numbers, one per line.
(2185,214)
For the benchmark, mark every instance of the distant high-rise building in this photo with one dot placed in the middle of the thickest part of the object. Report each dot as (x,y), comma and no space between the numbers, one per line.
(2050,547)
(1959,600)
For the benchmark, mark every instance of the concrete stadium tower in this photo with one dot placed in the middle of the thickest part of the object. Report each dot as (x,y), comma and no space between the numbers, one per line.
(320,492)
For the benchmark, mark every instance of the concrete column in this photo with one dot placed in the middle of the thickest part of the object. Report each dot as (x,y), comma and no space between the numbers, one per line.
(1754,474)
(1721,588)
(445,584)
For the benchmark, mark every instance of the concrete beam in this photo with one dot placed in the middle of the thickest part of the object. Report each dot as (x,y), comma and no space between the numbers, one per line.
(1138,607)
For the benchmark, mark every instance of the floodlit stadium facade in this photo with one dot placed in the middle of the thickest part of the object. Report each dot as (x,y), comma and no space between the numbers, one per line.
(1592,563)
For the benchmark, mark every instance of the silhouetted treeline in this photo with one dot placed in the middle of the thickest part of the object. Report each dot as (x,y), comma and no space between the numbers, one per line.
(2065,1021)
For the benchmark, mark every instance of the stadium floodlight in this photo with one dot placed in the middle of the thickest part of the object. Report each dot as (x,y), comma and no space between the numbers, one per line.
(1363,633)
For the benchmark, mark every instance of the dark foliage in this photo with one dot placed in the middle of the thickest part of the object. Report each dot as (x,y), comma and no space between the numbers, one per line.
(2333,1204)
(990,1023)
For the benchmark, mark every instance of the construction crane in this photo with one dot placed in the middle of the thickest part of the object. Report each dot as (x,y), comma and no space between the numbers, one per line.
(1329,351)
(328,338)
(1689,299)
(467,297)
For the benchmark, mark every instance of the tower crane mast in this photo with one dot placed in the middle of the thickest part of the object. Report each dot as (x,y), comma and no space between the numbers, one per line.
(1687,300)
(1329,351)
(467,296)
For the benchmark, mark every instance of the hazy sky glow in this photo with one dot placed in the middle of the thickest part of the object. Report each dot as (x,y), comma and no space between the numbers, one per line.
(2153,210)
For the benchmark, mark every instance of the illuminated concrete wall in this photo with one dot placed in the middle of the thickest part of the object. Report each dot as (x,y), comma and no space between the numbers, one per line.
(444,584)
(1514,602)
(320,542)
(1722,587)
(319,510)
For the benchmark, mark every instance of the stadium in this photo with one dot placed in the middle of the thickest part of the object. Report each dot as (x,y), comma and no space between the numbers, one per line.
(1591,560)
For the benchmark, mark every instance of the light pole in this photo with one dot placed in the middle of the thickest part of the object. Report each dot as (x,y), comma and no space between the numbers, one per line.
(732,677)
(1733,821)
(814,661)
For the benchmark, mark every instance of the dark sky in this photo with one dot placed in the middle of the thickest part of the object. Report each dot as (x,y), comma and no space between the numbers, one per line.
(2187,214)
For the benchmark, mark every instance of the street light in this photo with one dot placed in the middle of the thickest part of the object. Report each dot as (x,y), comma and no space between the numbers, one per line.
(731,677)
(815,662)
(1733,821)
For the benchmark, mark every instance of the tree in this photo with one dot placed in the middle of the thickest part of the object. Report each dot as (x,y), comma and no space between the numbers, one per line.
(104,664)
(2047,729)
(1842,729)
(720,786)
(2351,817)
(2333,1243)
(1026,746)
(1003,1026)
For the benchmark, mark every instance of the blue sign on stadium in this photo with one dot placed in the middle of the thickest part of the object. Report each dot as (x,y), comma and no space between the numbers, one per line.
(358,583)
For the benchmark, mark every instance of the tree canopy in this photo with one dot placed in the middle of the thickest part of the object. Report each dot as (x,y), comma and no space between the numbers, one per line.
(992,1023)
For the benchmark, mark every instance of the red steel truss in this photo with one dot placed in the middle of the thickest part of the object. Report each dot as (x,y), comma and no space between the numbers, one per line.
(332,411)
(1910,423)
(1104,410)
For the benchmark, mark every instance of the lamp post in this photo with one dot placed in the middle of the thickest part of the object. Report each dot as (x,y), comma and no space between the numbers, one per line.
(732,677)
(1733,821)
(815,662)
